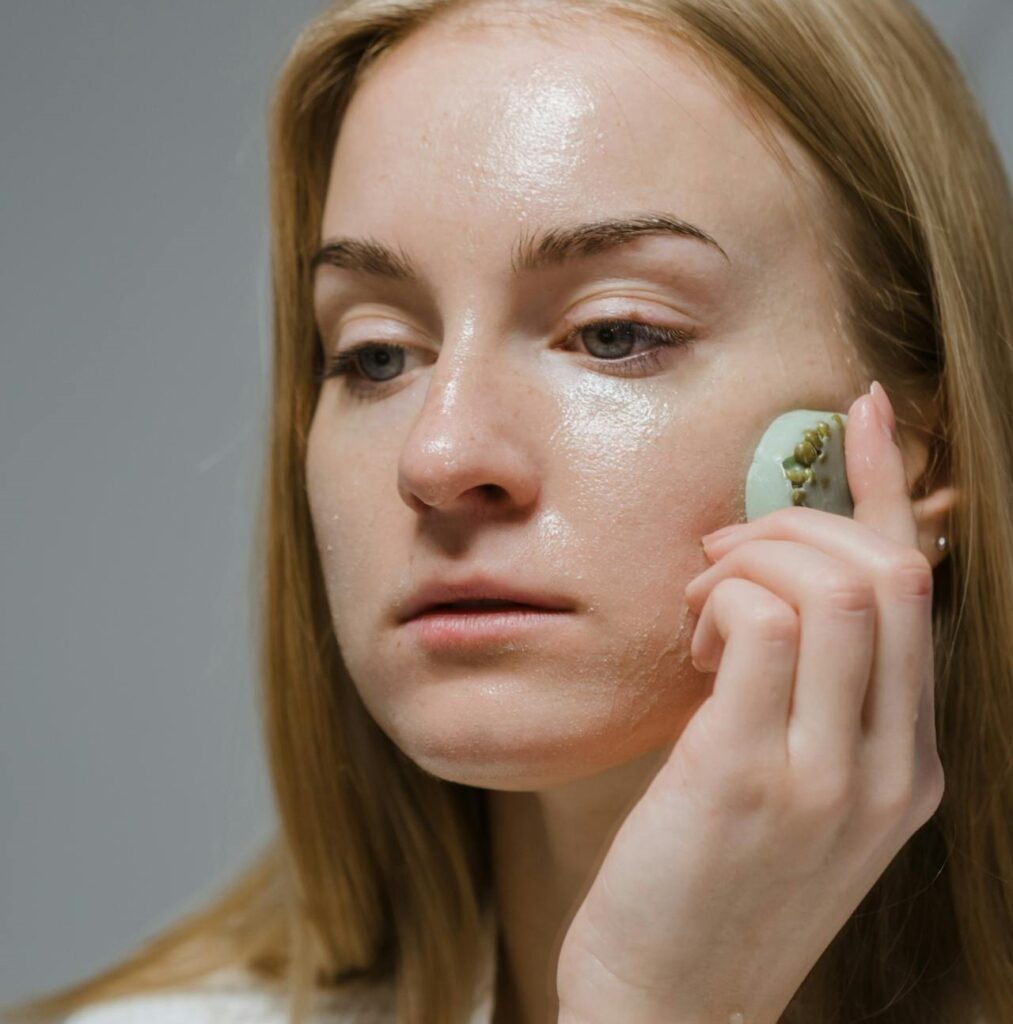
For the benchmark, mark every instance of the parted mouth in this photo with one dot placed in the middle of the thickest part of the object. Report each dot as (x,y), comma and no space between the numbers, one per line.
(478,593)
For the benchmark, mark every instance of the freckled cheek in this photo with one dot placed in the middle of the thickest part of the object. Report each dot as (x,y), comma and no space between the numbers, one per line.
(645,485)
(347,531)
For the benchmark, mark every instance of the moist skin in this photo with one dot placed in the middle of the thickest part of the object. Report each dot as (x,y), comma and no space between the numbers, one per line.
(499,449)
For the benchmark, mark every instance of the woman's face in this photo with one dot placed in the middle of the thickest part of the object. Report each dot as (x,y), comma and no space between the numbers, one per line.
(501,441)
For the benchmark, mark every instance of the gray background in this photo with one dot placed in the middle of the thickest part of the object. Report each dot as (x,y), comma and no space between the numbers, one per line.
(134,340)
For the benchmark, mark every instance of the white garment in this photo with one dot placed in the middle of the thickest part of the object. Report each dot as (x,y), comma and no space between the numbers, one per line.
(234,996)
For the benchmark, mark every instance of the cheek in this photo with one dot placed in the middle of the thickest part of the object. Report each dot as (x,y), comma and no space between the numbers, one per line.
(344,518)
(642,546)
(644,487)
(646,478)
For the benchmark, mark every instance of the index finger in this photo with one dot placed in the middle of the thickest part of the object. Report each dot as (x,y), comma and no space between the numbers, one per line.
(876,476)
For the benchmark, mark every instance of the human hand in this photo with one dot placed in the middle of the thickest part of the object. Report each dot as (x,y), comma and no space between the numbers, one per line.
(796,781)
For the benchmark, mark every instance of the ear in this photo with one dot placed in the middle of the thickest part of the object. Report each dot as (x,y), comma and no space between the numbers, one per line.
(934,500)
(934,515)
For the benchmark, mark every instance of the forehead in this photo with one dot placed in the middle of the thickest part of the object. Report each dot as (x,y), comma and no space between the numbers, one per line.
(478,126)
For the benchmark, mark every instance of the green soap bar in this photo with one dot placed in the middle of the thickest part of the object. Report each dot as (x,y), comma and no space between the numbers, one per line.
(800,461)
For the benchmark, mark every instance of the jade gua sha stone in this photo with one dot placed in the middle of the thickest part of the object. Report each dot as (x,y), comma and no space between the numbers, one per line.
(800,461)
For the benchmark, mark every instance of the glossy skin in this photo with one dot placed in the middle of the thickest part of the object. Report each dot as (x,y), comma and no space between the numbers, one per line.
(504,447)
(796,783)
(598,486)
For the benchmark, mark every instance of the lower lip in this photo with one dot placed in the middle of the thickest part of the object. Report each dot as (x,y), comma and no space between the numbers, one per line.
(445,629)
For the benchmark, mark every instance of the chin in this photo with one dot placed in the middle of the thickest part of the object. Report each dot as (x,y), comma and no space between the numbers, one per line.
(514,758)
(523,730)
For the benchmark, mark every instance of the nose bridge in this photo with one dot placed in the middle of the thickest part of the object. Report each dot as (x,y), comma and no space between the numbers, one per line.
(468,430)
(460,374)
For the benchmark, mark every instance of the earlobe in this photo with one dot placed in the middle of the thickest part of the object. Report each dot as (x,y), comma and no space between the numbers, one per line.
(934,500)
(934,515)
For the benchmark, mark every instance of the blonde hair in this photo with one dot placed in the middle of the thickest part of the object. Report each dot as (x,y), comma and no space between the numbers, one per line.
(380,868)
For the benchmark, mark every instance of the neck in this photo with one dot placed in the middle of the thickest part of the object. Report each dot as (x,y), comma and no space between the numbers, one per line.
(546,849)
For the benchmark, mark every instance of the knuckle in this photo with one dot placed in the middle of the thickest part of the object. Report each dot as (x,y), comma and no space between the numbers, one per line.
(910,577)
(726,596)
(849,592)
(743,795)
(891,801)
(749,791)
(773,621)
(830,793)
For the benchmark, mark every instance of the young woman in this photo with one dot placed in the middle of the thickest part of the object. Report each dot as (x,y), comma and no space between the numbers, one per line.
(542,275)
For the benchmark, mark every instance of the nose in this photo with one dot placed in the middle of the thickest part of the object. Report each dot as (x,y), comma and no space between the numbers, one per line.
(471,447)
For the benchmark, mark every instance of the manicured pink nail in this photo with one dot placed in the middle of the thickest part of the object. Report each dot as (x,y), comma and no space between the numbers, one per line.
(885,410)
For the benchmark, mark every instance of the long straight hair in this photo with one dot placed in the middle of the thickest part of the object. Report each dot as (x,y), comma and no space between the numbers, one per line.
(379,869)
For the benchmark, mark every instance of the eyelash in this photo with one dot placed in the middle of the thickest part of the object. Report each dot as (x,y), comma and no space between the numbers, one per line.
(344,363)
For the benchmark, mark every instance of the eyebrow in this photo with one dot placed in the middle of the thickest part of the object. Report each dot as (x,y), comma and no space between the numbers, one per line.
(549,247)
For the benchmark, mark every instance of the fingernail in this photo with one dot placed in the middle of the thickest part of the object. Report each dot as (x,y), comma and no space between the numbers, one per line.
(720,533)
(884,409)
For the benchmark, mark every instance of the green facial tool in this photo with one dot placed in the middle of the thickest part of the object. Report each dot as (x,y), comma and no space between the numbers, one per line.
(800,461)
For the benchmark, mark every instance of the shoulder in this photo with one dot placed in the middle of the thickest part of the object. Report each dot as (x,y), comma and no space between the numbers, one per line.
(179,1008)
(233,997)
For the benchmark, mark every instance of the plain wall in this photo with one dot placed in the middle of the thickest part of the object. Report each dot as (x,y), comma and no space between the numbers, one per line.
(134,313)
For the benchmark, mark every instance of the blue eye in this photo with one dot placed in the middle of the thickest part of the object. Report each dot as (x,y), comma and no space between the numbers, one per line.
(614,336)
(618,335)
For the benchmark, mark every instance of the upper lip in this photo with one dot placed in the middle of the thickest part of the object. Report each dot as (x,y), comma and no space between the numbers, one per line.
(442,591)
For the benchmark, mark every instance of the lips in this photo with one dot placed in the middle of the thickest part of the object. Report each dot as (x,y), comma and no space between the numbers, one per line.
(486,605)
(478,593)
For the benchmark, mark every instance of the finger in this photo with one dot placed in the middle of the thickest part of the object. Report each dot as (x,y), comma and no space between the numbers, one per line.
(749,637)
(837,608)
(876,474)
(838,536)
(903,680)
(903,658)
(904,668)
